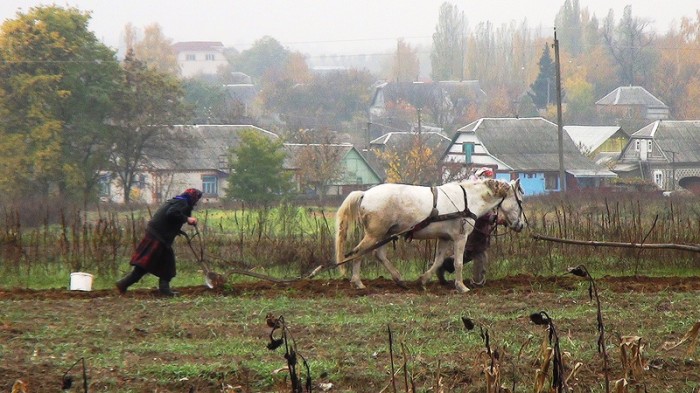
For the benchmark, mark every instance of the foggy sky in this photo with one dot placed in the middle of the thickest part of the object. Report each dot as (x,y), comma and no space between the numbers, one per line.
(331,26)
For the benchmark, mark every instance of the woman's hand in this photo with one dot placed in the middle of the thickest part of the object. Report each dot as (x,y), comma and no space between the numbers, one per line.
(192,220)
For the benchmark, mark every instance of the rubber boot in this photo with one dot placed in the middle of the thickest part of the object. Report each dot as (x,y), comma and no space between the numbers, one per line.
(448,265)
(164,288)
(133,277)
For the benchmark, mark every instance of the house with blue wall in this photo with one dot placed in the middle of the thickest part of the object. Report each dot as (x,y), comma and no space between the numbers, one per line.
(525,149)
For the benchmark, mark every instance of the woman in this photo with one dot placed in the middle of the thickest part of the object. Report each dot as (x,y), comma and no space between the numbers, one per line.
(155,252)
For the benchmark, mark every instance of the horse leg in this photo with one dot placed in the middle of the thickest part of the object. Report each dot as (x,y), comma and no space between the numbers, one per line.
(364,244)
(355,279)
(380,253)
(459,258)
(479,268)
(440,253)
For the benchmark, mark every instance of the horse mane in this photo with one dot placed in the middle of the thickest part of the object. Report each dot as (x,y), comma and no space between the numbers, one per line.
(499,187)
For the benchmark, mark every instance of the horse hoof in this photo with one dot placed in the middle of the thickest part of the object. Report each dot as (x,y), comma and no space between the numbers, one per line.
(358,285)
(462,288)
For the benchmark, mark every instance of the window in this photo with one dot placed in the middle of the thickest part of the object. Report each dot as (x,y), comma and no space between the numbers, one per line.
(210,185)
(190,57)
(103,185)
(637,143)
(209,56)
(140,182)
(551,182)
(649,144)
(659,178)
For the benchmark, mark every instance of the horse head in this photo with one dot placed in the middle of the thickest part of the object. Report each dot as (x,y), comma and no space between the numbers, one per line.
(511,204)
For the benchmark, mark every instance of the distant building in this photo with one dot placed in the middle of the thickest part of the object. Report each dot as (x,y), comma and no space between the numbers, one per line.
(357,173)
(525,149)
(203,163)
(199,57)
(666,152)
(443,100)
(603,144)
(633,102)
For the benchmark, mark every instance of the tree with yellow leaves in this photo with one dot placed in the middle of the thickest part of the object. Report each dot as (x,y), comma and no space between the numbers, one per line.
(411,162)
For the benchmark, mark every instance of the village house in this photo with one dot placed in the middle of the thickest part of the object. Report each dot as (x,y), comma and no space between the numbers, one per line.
(525,149)
(631,107)
(204,164)
(602,144)
(355,173)
(199,57)
(666,152)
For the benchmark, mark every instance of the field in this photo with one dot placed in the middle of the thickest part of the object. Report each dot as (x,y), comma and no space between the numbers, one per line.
(348,340)
(215,340)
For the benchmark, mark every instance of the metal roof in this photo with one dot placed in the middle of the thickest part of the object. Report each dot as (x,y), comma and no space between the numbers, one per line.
(590,137)
(528,144)
(681,137)
(631,95)
(210,144)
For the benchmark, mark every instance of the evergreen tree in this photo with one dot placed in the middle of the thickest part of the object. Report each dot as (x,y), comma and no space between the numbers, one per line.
(543,89)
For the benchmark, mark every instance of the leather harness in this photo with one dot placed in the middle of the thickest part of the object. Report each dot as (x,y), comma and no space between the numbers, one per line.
(435,217)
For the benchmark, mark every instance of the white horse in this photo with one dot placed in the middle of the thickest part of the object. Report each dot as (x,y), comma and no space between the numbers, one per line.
(445,213)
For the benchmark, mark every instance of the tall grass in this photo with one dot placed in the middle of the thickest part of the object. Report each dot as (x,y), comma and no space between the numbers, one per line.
(292,240)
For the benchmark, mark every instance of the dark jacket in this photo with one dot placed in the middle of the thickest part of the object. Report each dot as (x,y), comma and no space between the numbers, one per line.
(155,253)
(480,238)
(167,221)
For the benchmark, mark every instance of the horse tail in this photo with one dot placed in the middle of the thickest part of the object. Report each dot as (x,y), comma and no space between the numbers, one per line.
(347,213)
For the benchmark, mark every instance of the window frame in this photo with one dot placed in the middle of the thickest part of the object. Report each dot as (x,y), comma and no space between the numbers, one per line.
(549,179)
(658,176)
(210,185)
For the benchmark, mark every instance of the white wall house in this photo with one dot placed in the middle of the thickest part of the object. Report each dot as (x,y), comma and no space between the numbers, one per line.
(201,163)
(199,57)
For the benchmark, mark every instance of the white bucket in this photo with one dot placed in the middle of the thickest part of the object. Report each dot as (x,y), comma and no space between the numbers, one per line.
(80,281)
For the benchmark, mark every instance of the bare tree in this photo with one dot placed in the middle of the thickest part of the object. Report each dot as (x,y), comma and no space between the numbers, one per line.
(628,42)
(318,159)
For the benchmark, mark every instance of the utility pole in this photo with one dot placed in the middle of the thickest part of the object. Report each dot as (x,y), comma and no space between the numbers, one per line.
(560,125)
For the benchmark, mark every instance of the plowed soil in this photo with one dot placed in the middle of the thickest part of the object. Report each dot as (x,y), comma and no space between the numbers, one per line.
(675,374)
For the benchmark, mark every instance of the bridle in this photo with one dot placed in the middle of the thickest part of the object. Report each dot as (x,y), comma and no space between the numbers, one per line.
(521,210)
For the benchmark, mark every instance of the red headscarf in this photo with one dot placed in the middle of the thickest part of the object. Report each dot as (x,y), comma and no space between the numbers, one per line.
(193,195)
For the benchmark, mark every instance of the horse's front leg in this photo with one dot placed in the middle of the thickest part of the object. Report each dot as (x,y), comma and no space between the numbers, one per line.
(459,260)
(440,253)
(380,253)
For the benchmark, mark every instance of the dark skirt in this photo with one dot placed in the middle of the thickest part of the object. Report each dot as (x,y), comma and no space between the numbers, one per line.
(155,257)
